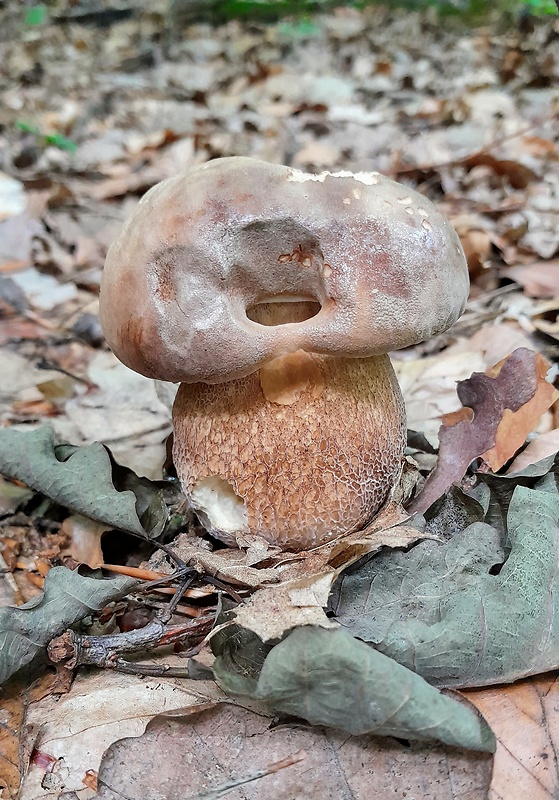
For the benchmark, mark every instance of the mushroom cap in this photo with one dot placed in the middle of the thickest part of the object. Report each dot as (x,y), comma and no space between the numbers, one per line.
(384,266)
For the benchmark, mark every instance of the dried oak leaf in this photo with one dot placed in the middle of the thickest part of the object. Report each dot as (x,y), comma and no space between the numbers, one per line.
(83,479)
(463,613)
(26,630)
(500,408)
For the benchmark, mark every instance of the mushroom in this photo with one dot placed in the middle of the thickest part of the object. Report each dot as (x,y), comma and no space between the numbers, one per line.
(273,297)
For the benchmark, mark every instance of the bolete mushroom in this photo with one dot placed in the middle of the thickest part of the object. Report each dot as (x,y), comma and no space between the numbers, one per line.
(274,296)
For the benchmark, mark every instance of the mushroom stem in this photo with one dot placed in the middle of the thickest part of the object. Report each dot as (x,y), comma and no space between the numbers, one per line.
(299,452)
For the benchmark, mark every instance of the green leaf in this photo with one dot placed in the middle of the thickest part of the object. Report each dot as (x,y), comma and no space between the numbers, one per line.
(60,141)
(68,597)
(329,678)
(441,610)
(36,15)
(27,127)
(83,480)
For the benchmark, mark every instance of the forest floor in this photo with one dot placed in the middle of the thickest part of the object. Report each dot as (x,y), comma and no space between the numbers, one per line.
(94,111)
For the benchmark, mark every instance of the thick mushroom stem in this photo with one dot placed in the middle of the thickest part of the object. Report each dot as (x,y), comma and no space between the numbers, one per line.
(300,452)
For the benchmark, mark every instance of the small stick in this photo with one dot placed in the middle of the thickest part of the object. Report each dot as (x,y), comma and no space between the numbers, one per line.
(224,788)
(106,651)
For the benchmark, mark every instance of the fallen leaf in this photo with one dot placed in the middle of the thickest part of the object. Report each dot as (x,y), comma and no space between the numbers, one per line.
(497,341)
(519,388)
(12,496)
(515,425)
(124,411)
(229,565)
(476,241)
(518,175)
(43,291)
(100,709)
(82,479)
(330,678)
(16,742)
(307,578)
(16,242)
(271,611)
(227,744)
(461,613)
(540,279)
(12,197)
(524,720)
(68,596)
(429,386)
(84,540)
(543,446)
(317,156)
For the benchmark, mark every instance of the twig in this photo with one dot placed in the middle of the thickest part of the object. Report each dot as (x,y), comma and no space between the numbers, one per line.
(225,788)
(184,570)
(106,651)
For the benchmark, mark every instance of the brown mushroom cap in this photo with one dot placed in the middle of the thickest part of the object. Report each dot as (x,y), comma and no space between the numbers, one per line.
(382,264)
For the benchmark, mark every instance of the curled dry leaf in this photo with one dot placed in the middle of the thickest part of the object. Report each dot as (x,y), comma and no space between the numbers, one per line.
(228,565)
(500,408)
(307,578)
(328,677)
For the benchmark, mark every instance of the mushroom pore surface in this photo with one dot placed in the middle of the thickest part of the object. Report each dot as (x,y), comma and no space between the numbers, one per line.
(273,297)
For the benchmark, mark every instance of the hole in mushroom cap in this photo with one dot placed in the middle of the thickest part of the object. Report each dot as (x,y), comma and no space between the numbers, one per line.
(281,310)
(218,505)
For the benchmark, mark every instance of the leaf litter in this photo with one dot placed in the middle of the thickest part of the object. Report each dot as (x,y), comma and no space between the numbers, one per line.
(479,139)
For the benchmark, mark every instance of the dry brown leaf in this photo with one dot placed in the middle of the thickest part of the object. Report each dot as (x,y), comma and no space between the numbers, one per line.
(12,715)
(84,540)
(525,721)
(307,578)
(429,385)
(272,611)
(476,241)
(540,279)
(101,708)
(17,736)
(228,743)
(317,156)
(515,425)
(473,431)
(16,240)
(496,342)
(518,175)
(539,448)
(229,565)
